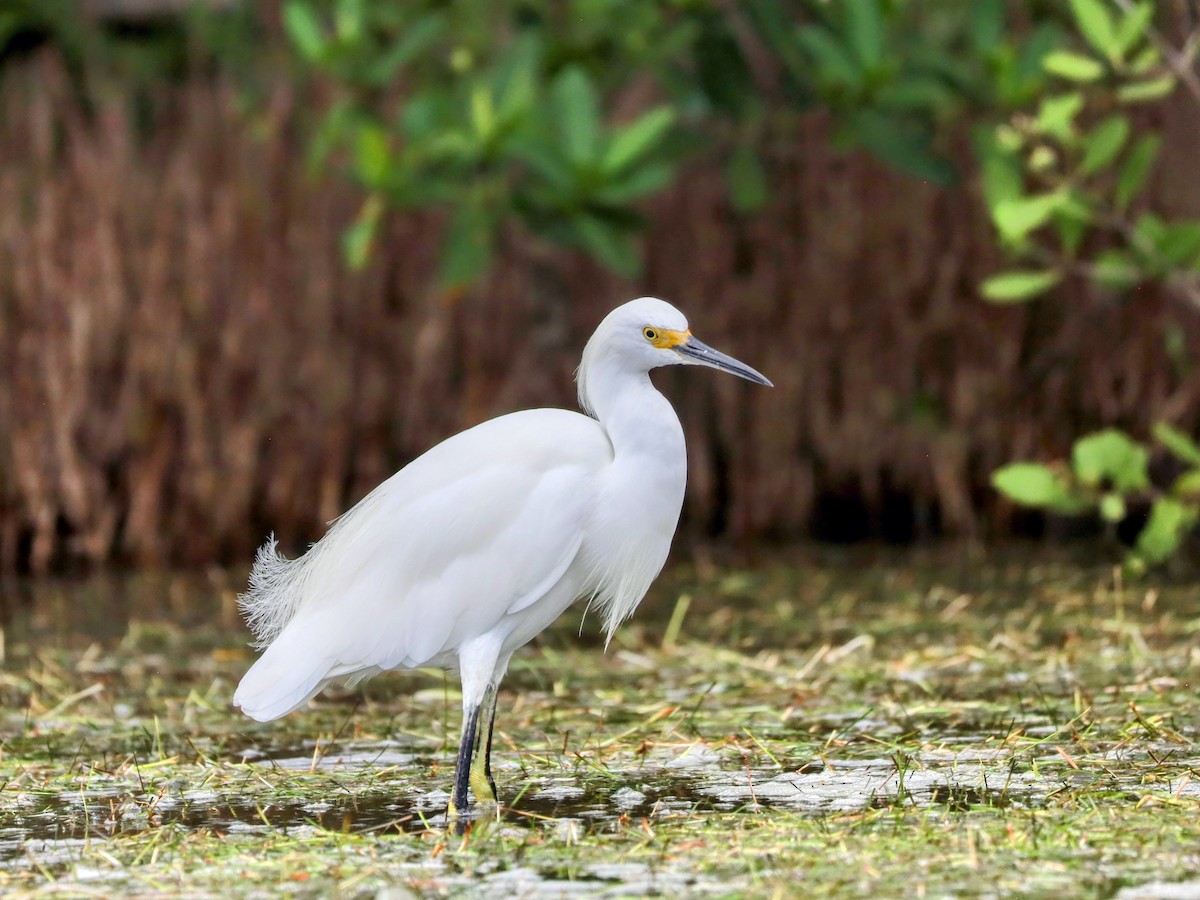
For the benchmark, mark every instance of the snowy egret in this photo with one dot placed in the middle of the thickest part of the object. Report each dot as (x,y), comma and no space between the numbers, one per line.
(476,546)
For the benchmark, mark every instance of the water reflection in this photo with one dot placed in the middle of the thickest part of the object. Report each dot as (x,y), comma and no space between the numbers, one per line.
(836,787)
(102,606)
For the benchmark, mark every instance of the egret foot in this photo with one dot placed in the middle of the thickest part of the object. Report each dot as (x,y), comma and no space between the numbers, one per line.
(482,785)
(473,770)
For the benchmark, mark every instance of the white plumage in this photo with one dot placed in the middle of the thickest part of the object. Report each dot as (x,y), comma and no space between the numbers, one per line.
(469,551)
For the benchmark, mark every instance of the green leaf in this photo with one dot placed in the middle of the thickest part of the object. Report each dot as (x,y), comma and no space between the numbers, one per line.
(1072,66)
(632,142)
(1149,229)
(607,244)
(1132,27)
(1002,179)
(1018,286)
(516,80)
(1136,168)
(1071,232)
(545,160)
(417,38)
(1075,206)
(1018,217)
(1056,115)
(1112,507)
(483,112)
(359,237)
(747,181)
(332,130)
(421,117)
(304,29)
(985,25)
(1145,60)
(1116,269)
(1030,484)
(833,62)
(1160,538)
(775,26)
(1187,485)
(1027,78)
(466,246)
(1103,144)
(864,27)
(348,17)
(1146,91)
(635,184)
(579,114)
(1179,244)
(902,143)
(1096,24)
(372,156)
(1177,442)
(917,92)
(1112,456)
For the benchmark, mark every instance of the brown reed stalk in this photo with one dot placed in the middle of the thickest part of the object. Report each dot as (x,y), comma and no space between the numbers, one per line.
(185,364)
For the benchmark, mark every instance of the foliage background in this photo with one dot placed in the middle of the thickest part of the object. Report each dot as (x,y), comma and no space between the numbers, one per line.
(214,322)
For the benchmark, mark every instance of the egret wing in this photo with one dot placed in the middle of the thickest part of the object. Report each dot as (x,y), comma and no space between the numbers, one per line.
(478,528)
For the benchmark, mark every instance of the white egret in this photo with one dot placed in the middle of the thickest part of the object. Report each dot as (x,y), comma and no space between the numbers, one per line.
(476,546)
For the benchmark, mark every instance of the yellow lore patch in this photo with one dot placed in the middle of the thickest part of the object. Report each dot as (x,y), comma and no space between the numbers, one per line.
(664,338)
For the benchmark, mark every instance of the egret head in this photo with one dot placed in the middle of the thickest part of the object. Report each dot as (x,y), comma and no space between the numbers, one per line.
(646,333)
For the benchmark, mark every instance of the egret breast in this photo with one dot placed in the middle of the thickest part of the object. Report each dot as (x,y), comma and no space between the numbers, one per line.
(630,535)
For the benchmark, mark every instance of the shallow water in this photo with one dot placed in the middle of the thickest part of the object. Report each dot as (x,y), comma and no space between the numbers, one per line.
(690,783)
(882,709)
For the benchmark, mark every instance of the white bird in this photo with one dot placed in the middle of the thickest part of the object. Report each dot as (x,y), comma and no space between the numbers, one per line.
(472,549)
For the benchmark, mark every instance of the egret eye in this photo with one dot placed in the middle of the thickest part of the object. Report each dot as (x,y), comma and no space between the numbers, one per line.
(650,334)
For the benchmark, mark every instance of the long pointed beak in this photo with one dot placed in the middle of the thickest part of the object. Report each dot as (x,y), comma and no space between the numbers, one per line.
(696,352)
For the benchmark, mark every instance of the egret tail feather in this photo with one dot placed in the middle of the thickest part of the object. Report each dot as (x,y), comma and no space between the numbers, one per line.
(271,688)
(274,593)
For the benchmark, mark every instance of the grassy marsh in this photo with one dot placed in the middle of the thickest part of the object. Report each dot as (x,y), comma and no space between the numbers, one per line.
(841,725)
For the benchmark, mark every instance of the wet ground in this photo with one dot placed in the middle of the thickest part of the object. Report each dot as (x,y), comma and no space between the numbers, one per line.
(856,725)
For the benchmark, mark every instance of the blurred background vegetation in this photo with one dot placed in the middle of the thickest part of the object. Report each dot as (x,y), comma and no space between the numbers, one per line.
(256,256)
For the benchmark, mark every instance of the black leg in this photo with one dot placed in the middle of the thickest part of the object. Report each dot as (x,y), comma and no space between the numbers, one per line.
(487,755)
(482,783)
(459,799)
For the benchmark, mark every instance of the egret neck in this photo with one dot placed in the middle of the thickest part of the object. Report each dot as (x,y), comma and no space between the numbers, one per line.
(642,490)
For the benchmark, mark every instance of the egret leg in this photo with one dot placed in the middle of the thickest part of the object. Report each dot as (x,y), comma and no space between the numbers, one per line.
(459,799)
(482,783)
(480,674)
